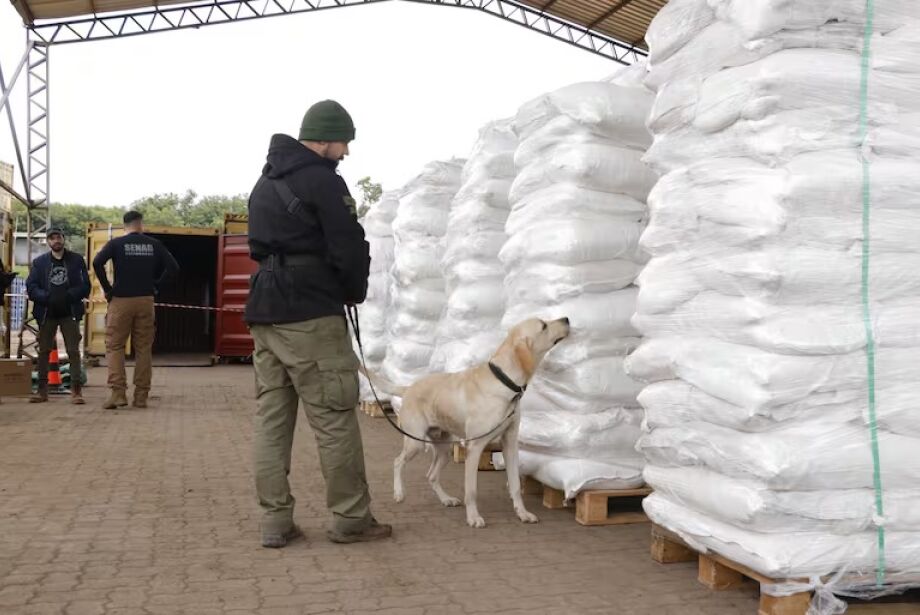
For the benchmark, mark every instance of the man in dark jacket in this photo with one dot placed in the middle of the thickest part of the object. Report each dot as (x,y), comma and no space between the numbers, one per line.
(313,260)
(57,285)
(142,263)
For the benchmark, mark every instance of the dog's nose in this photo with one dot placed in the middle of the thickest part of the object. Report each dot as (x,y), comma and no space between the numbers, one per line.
(565,319)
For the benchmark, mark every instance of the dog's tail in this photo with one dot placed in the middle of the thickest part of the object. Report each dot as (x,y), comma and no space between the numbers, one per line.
(382,384)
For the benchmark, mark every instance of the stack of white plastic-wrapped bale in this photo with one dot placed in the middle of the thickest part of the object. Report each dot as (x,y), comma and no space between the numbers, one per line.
(470,328)
(780,306)
(417,291)
(577,211)
(378,227)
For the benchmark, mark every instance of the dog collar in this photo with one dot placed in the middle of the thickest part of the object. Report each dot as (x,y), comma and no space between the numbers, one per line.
(505,380)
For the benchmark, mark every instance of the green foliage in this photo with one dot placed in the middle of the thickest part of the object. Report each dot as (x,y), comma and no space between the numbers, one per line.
(164,209)
(189,210)
(370,194)
(72,219)
(168,209)
(210,210)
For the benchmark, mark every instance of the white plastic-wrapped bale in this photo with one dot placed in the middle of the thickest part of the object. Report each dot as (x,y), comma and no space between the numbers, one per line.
(577,212)
(378,227)
(470,328)
(417,291)
(779,307)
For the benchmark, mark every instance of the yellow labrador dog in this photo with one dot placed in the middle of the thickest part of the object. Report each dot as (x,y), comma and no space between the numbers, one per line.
(481,401)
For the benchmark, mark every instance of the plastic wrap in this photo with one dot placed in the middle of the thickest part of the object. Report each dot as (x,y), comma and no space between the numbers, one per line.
(573,251)
(681,21)
(753,503)
(470,329)
(592,166)
(784,555)
(418,286)
(779,304)
(605,109)
(572,475)
(574,203)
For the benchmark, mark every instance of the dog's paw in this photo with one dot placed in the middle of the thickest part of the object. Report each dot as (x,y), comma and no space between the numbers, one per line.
(398,496)
(476,521)
(451,502)
(528,517)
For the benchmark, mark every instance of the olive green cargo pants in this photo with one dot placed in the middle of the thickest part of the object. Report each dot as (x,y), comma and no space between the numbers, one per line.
(312,362)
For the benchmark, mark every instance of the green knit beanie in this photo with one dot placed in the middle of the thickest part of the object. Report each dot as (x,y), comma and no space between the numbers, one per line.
(327,121)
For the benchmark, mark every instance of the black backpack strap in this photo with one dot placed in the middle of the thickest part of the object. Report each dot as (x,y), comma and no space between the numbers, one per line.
(292,203)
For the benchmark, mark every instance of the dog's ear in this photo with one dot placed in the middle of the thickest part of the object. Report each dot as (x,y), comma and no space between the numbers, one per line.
(524,356)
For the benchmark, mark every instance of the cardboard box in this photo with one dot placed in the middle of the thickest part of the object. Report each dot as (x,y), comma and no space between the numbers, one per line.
(15,377)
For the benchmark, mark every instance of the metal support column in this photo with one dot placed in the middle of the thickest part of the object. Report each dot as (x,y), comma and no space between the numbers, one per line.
(38,172)
(39,133)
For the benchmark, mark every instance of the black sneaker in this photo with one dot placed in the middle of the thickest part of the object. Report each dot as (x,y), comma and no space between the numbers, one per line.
(375,531)
(277,541)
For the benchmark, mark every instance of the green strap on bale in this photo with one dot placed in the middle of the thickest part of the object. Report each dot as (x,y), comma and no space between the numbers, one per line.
(867,316)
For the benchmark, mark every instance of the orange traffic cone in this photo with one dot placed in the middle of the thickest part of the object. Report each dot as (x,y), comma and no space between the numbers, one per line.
(54,370)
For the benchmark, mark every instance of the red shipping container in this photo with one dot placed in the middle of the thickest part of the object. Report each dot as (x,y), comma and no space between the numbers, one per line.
(234,268)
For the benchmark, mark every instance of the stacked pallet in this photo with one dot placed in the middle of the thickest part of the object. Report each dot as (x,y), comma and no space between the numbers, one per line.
(577,211)
(378,228)
(779,308)
(418,293)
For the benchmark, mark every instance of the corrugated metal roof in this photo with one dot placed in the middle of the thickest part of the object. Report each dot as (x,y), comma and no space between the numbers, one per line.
(33,10)
(624,20)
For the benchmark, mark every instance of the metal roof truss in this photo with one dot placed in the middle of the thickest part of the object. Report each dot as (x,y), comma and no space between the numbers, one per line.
(160,19)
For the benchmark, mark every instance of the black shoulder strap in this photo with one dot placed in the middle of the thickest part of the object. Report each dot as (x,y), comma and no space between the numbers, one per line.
(292,203)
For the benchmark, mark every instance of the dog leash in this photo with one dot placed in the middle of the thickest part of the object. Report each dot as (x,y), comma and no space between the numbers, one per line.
(352,313)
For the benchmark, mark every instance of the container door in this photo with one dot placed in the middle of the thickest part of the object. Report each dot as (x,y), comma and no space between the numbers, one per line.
(234,270)
(94,335)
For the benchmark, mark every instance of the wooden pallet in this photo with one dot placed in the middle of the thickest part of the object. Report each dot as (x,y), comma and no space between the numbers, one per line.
(485,459)
(372,409)
(593,507)
(720,573)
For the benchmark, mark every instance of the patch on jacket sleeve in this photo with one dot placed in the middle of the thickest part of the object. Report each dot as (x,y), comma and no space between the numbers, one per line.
(351,204)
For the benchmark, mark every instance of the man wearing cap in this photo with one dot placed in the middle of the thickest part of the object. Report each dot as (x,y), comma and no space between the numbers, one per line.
(57,285)
(142,263)
(313,260)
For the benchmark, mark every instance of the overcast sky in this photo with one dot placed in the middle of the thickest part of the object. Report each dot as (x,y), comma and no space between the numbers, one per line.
(196,108)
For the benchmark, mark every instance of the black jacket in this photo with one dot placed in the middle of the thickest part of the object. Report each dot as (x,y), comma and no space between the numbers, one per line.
(142,263)
(304,232)
(38,285)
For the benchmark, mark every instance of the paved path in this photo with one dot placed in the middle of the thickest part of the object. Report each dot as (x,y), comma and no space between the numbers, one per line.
(150,512)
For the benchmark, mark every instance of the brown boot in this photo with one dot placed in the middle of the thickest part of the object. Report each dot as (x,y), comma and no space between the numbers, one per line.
(375,531)
(41,395)
(140,399)
(277,540)
(76,395)
(116,399)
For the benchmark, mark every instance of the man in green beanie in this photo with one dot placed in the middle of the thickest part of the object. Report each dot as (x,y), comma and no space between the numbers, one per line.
(313,260)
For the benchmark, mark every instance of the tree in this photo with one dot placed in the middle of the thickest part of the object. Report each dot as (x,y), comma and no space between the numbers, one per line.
(189,210)
(165,209)
(73,219)
(370,194)
(210,210)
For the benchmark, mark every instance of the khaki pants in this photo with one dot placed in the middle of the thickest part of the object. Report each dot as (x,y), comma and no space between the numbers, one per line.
(312,362)
(134,317)
(47,332)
